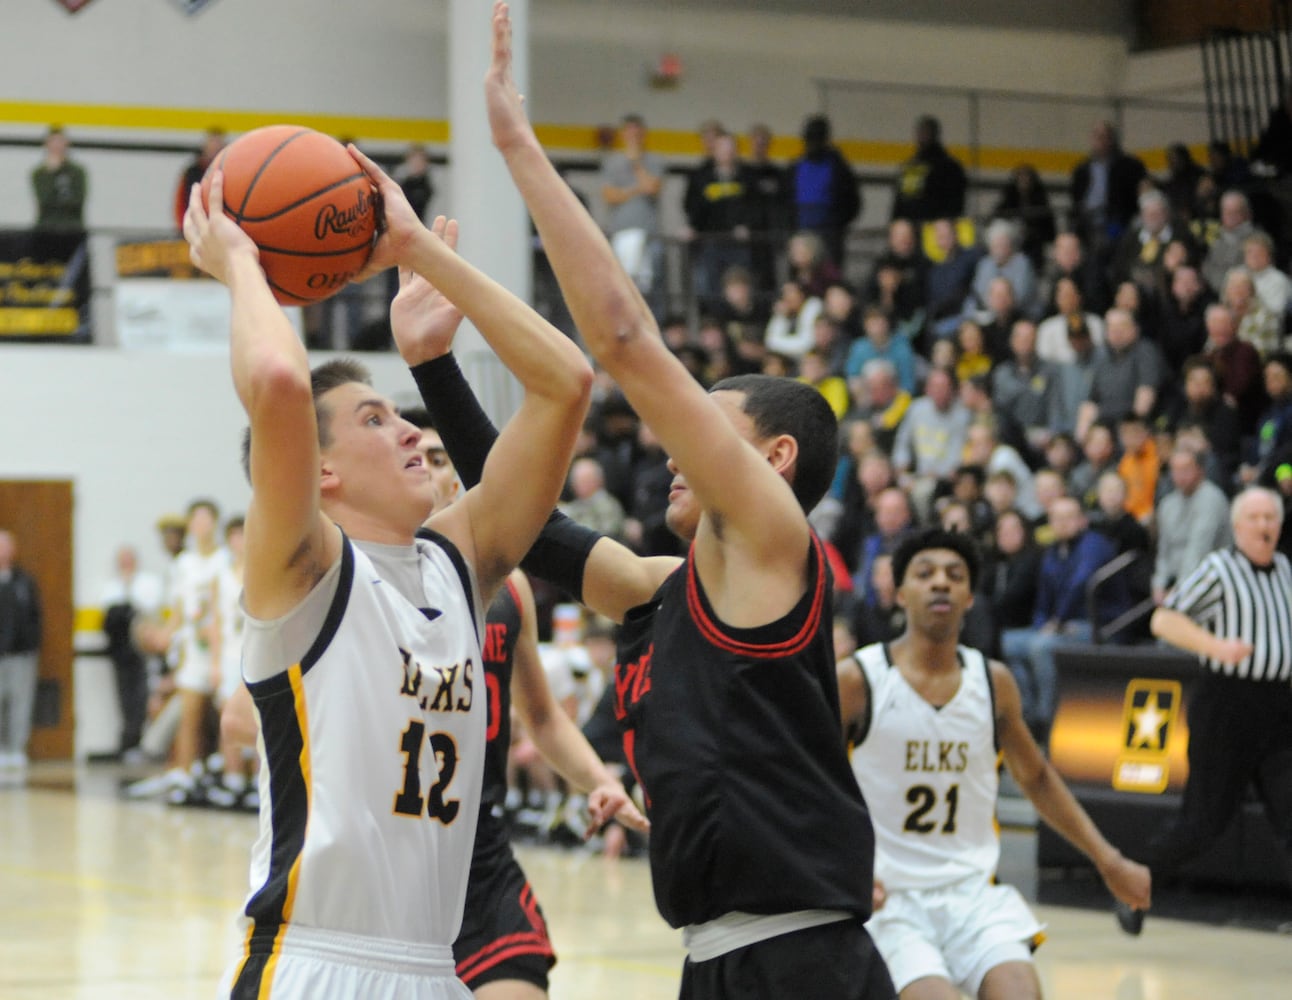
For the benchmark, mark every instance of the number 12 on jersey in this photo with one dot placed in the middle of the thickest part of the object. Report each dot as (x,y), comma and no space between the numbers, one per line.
(409,801)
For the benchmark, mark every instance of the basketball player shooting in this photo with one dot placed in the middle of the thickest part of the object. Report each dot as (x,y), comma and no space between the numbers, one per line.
(363,645)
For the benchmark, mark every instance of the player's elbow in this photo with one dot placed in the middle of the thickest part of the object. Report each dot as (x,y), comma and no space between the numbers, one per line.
(274,384)
(1157,622)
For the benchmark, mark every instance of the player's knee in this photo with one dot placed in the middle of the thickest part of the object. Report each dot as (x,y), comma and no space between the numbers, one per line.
(1011,981)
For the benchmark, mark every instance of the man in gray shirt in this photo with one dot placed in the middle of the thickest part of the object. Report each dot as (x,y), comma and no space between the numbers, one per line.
(931,439)
(1192,520)
(630,184)
(1128,379)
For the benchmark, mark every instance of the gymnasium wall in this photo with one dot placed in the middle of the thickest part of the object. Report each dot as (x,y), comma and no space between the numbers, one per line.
(142,433)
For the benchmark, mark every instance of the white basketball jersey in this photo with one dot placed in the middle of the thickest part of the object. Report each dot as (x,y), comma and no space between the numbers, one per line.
(373,750)
(194,583)
(929,775)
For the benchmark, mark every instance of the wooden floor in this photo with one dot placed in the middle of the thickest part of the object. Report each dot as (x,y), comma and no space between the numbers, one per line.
(102,899)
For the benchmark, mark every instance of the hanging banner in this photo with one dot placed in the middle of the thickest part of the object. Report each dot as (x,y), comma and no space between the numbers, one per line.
(191,7)
(74,6)
(44,286)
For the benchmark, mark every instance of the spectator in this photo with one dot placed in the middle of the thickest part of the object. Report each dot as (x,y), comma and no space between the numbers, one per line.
(592,505)
(823,188)
(872,474)
(744,316)
(1183,328)
(879,341)
(789,331)
(1181,183)
(769,206)
(1112,519)
(129,597)
(1028,388)
(948,281)
(883,402)
(893,521)
(1061,613)
(930,440)
(971,358)
(1070,324)
(999,318)
(1105,190)
(1237,365)
(828,340)
(814,369)
(1273,287)
(193,173)
(1203,407)
(1128,378)
(414,177)
(984,450)
(646,528)
(630,185)
(59,185)
(1025,202)
(718,217)
(1068,259)
(1274,147)
(1225,249)
(878,617)
(20,641)
(1192,520)
(810,264)
(1256,324)
(903,259)
(1139,253)
(1139,465)
(840,304)
(932,183)
(1061,455)
(1008,582)
(1005,260)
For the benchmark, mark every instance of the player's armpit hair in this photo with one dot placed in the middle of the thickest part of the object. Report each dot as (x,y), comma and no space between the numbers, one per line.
(465,428)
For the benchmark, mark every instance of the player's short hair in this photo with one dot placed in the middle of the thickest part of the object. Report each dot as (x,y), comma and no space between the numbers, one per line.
(204,503)
(786,406)
(936,538)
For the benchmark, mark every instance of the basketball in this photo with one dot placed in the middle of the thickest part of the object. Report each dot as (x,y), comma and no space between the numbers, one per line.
(305,202)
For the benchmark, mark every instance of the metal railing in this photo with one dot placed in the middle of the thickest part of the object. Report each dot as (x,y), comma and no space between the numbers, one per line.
(1117,628)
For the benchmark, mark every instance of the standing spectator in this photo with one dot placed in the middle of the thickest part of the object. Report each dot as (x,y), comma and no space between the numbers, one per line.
(1024,202)
(1070,324)
(593,506)
(1192,520)
(1225,248)
(769,207)
(823,188)
(932,183)
(1232,612)
(414,177)
(718,217)
(1274,147)
(1181,182)
(630,184)
(196,169)
(129,597)
(60,186)
(1061,614)
(1105,191)
(20,636)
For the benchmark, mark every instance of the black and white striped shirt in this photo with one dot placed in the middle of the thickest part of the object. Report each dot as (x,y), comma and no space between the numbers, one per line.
(1235,599)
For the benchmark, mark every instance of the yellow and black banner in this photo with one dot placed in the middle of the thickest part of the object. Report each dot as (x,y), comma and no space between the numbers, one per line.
(44,286)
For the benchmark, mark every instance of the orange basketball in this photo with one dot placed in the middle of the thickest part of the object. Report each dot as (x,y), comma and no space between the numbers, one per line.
(306,203)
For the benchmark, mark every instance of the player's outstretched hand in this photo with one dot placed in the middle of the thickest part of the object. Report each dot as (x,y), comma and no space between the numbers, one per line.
(507,121)
(1129,881)
(214,240)
(609,801)
(422,318)
(397,224)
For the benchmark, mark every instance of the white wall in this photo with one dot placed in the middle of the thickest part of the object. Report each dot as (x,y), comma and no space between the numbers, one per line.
(139,434)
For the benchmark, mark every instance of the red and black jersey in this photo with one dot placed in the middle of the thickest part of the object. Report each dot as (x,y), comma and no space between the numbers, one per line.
(734,734)
(502,629)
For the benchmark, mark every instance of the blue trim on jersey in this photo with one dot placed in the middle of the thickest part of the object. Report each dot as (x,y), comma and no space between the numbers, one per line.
(464,574)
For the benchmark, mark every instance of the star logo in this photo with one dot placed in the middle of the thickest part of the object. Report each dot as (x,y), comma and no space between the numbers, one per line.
(1150,725)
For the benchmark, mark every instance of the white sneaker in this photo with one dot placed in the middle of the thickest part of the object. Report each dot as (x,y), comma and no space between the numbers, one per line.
(158,784)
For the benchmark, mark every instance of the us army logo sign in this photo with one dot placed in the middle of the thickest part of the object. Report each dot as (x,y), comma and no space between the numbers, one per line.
(1148,721)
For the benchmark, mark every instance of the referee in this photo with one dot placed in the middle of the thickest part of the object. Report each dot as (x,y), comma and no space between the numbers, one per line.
(1235,612)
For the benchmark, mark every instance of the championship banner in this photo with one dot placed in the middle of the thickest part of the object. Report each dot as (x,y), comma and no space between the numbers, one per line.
(74,6)
(44,286)
(191,7)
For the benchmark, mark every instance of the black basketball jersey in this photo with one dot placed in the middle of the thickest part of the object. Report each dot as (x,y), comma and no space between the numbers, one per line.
(734,735)
(502,629)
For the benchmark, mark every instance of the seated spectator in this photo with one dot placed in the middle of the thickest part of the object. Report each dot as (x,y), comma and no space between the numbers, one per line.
(1028,388)
(840,304)
(948,281)
(829,341)
(903,258)
(1273,287)
(999,318)
(1049,486)
(882,403)
(984,450)
(1004,259)
(967,489)
(1192,520)
(1139,465)
(1112,519)
(878,617)
(1024,202)
(1138,254)
(1183,329)
(1140,302)
(1202,406)
(1068,259)
(872,475)
(592,506)
(1070,323)
(879,341)
(814,369)
(1008,581)
(1127,379)
(930,440)
(975,394)
(899,300)
(972,358)
(1274,431)
(810,264)
(1061,455)
(720,351)
(1225,247)
(1000,491)
(1256,324)
(893,522)
(1237,364)
(1061,615)
(789,331)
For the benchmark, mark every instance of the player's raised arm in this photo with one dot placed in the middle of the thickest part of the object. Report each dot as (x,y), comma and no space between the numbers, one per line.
(525,472)
(288,545)
(731,479)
